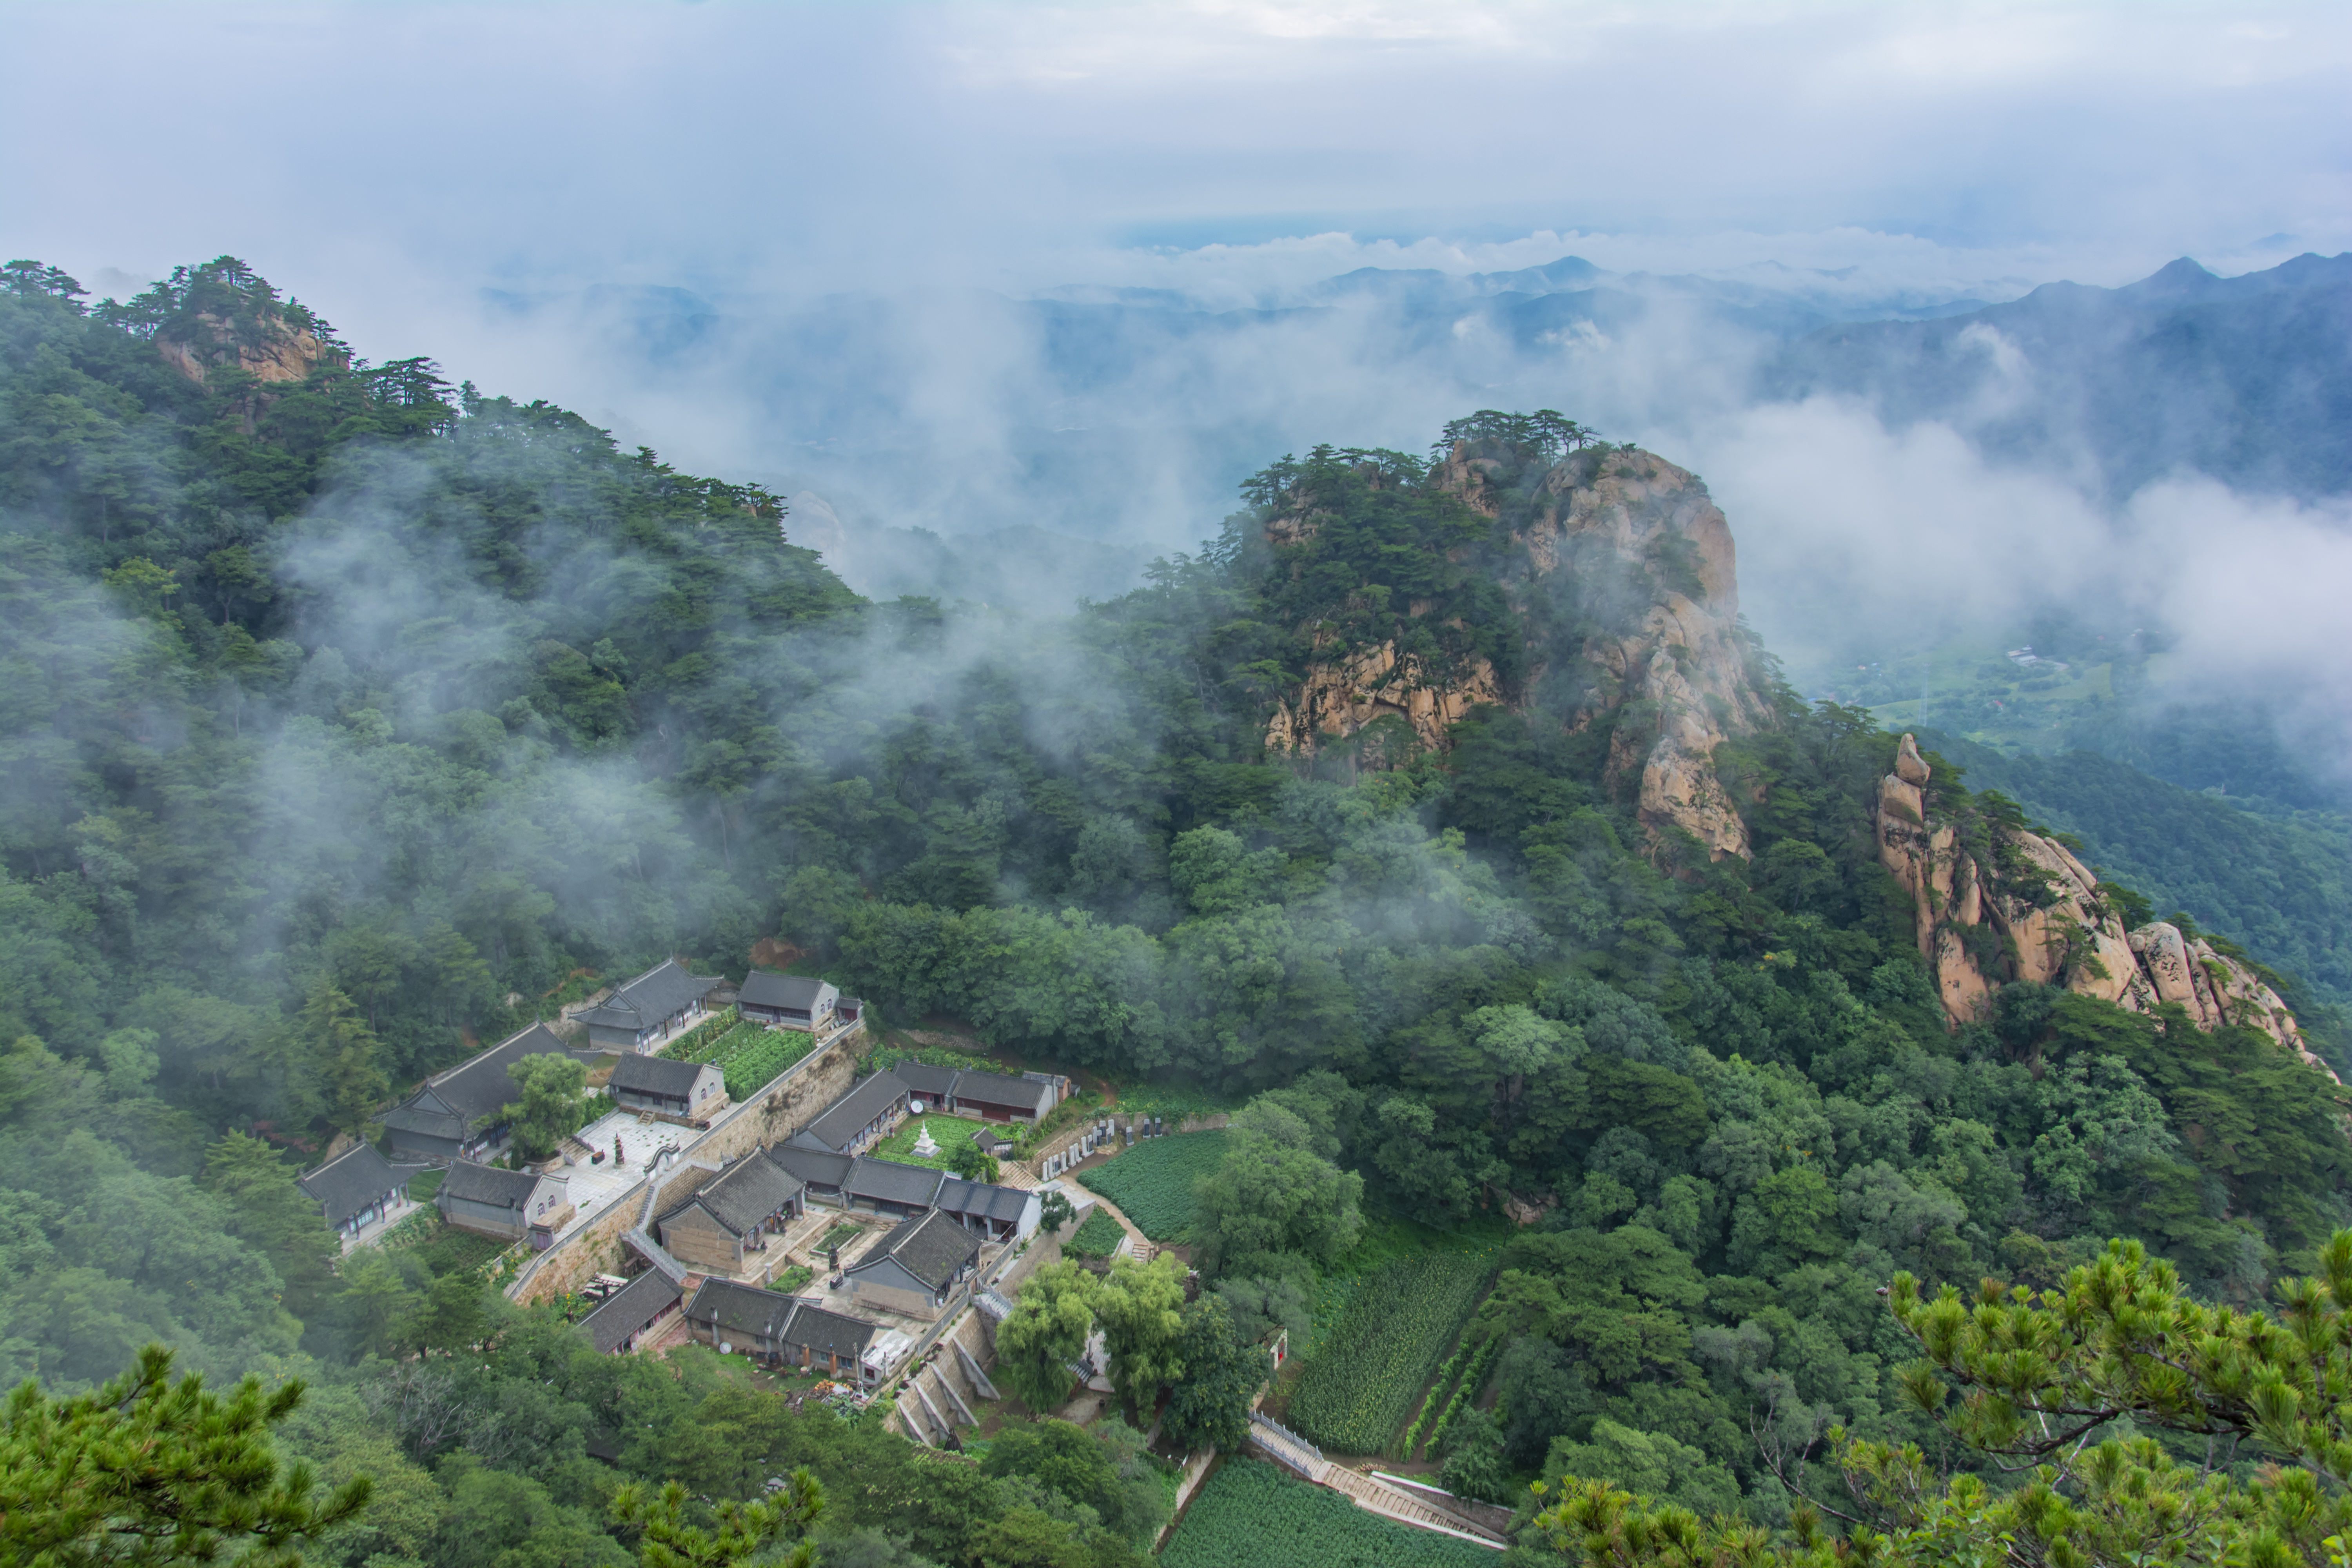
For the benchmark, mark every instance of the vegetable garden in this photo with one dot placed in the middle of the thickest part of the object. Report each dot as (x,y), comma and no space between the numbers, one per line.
(1363,1382)
(1249,1513)
(1152,1183)
(748,1055)
(1098,1237)
(1458,1382)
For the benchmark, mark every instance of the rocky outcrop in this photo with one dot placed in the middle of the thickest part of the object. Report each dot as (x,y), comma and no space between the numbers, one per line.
(269,350)
(2038,915)
(1629,554)
(1342,697)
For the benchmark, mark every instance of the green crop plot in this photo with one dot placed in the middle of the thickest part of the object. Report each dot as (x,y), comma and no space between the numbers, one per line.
(1099,1237)
(749,1054)
(1362,1384)
(1152,1183)
(1251,1513)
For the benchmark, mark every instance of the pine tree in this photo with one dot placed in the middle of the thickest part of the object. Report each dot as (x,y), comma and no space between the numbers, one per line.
(150,1469)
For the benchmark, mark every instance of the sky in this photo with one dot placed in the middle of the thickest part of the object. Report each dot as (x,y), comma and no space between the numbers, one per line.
(511,187)
(378,154)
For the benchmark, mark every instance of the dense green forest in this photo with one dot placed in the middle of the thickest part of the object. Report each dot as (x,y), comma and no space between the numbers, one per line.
(347,718)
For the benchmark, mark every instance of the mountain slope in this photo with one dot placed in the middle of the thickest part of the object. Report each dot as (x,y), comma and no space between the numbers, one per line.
(2280,885)
(2245,379)
(1599,587)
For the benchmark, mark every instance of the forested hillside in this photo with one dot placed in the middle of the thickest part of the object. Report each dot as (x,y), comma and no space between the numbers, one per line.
(2275,882)
(348,717)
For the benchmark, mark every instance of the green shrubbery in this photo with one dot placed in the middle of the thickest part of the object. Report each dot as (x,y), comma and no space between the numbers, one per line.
(750,1054)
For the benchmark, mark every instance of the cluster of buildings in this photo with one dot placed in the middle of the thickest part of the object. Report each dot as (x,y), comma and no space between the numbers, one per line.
(712,1223)
(456,1120)
(706,1227)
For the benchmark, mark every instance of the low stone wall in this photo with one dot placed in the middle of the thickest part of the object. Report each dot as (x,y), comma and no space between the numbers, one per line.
(782,1106)
(1196,1471)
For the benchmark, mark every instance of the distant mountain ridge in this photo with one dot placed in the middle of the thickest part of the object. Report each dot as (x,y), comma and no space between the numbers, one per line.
(1101,411)
(2245,379)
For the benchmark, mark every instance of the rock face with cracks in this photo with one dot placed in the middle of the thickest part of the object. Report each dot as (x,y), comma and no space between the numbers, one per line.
(273,351)
(2068,935)
(1623,577)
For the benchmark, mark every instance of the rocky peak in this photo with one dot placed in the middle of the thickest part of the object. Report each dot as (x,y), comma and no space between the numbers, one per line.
(268,350)
(2036,913)
(1618,581)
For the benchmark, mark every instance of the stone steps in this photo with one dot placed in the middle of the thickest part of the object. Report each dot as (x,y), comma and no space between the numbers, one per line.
(1371,1495)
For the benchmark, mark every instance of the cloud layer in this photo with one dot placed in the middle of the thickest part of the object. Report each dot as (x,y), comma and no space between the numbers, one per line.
(807,243)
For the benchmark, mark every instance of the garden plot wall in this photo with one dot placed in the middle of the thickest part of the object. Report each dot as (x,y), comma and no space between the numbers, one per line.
(782,1108)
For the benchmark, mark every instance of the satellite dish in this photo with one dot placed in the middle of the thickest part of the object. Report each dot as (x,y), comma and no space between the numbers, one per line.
(725,1348)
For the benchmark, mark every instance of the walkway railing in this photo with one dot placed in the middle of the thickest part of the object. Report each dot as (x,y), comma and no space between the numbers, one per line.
(1288,1446)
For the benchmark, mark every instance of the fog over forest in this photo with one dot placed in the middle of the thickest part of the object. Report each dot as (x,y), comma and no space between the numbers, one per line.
(1658,672)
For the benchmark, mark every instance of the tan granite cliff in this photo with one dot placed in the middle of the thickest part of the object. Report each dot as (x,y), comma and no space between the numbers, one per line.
(1674,672)
(2067,935)
(276,352)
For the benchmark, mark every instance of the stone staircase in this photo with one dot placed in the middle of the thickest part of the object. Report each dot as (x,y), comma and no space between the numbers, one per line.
(1373,1496)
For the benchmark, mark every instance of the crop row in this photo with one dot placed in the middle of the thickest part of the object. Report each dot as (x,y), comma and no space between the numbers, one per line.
(1467,1390)
(1152,1183)
(1361,1385)
(748,1054)
(705,1041)
(1250,1514)
(761,1058)
(1447,1375)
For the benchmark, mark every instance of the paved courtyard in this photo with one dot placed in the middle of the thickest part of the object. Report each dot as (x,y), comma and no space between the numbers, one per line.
(594,1186)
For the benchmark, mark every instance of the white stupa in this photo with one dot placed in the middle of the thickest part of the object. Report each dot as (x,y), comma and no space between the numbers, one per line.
(924,1148)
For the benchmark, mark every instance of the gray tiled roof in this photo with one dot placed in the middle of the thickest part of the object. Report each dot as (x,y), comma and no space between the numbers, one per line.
(456,1100)
(822,1330)
(644,1002)
(652,1075)
(795,993)
(353,1180)
(638,1304)
(817,1167)
(930,1082)
(887,1181)
(933,1249)
(754,1313)
(845,1118)
(740,1196)
(982,1199)
(489,1185)
(995,1089)
(741,1309)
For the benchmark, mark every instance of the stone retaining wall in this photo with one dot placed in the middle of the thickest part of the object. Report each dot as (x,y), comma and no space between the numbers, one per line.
(594,1248)
(782,1106)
